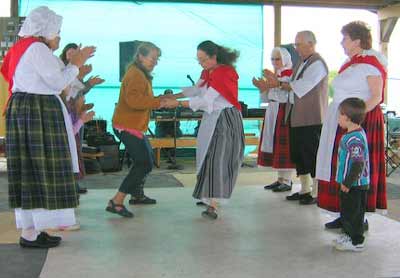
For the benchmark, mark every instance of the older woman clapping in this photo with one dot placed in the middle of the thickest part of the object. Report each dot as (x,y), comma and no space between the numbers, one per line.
(274,148)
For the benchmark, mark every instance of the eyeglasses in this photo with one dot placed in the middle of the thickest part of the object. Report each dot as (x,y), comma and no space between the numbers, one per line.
(275,59)
(203,60)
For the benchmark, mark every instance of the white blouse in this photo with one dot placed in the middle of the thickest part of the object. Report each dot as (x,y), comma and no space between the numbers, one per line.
(311,77)
(353,82)
(39,71)
(206,99)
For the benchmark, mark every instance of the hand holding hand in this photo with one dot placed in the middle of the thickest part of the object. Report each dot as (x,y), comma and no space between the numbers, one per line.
(168,103)
(261,84)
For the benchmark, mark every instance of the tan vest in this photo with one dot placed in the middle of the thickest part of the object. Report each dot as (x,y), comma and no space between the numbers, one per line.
(310,109)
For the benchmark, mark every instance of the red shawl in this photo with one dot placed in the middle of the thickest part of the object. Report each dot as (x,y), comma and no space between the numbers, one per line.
(224,80)
(370,60)
(12,58)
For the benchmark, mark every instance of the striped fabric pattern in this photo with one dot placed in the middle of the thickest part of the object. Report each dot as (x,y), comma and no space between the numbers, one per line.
(218,173)
(328,192)
(280,158)
(38,158)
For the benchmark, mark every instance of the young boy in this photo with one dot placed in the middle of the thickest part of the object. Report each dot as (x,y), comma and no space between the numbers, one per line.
(352,175)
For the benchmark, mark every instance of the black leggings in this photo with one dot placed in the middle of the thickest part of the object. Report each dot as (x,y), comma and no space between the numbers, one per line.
(141,154)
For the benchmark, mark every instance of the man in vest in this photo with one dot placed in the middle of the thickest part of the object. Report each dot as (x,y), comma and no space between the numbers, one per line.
(309,85)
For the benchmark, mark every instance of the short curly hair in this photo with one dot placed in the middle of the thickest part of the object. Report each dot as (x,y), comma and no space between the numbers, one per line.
(358,30)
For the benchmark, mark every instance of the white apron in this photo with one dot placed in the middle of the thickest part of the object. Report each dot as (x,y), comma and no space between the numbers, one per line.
(330,125)
(204,136)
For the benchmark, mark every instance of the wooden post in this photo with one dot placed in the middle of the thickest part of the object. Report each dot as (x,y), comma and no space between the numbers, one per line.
(277,23)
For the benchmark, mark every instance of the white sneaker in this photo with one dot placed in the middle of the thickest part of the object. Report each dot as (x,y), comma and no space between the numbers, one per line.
(347,245)
(340,238)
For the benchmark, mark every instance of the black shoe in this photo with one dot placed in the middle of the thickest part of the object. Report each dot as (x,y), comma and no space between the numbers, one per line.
(282,188)
(307,200)
(335,224)
(112,207)
(272,185)
(200,203)
(210,213)
(295,196)
(82,190)
(142,201)
(49,237)
(40,242)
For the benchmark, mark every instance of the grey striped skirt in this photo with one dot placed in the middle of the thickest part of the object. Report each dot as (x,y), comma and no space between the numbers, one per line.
(38,158)
(220,168)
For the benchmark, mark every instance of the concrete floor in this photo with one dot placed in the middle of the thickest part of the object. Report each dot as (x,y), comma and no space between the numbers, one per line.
(258,235)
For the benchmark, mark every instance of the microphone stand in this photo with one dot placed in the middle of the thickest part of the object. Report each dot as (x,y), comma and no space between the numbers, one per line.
(173,165)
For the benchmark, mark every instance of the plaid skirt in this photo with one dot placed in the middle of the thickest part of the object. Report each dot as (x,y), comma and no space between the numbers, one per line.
(39,163)
(280,158)
(328,192)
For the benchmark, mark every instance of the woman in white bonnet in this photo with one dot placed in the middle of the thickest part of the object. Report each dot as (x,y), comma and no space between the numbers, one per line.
(41,151)
(274,148)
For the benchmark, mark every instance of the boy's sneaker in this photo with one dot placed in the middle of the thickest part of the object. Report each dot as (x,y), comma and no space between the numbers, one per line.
(347,245)
(340,238)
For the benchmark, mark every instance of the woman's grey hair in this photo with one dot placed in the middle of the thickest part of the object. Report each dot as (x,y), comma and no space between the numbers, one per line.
(308,36)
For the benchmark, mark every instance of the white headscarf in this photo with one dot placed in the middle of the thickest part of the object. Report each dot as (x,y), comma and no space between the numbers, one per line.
(285,56)
(41,22)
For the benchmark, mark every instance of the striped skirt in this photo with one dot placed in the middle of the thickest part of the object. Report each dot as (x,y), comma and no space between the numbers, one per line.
(328,192)
(39,164)
(218,173)
(280,158)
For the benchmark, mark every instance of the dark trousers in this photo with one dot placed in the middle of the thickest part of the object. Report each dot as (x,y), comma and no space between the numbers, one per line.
(352,211)
(141,153)
(304,142)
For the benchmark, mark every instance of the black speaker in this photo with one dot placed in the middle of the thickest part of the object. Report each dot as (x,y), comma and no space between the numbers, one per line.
(126,52)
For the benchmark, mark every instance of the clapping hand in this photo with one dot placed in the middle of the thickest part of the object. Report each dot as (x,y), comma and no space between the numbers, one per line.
(272,80)
(261,84)
(81,55)
(84,70)
(95,80)
(87,116)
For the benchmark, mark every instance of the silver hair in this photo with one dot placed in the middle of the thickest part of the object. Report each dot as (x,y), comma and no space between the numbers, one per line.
(308,36)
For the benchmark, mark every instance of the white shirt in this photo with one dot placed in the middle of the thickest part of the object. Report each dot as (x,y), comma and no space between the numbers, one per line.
(311,77)
(352,82)
(39,71)
(206,99)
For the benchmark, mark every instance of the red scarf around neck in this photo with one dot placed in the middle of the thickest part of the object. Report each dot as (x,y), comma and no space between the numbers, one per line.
(370,60)
(224,80)
(12,59)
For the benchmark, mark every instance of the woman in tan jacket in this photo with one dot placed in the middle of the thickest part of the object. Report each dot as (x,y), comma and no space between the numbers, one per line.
(130,122)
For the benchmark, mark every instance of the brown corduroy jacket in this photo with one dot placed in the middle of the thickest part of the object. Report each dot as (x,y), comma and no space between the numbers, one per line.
(136,100)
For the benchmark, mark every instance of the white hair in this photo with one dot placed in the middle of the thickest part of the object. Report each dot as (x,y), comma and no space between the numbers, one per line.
(308,36)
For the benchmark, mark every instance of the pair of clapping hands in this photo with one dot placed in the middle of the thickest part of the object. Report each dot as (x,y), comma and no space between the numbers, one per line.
(93,80)
(79,58)
(268,81)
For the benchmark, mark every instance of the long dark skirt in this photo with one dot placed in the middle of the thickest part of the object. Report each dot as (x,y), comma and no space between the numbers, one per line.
(280,157)
(328,192)
(39,164)
(218,173)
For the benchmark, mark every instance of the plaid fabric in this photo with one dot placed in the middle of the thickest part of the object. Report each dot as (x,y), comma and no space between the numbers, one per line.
(38,158)
(280,158)
(328,192)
